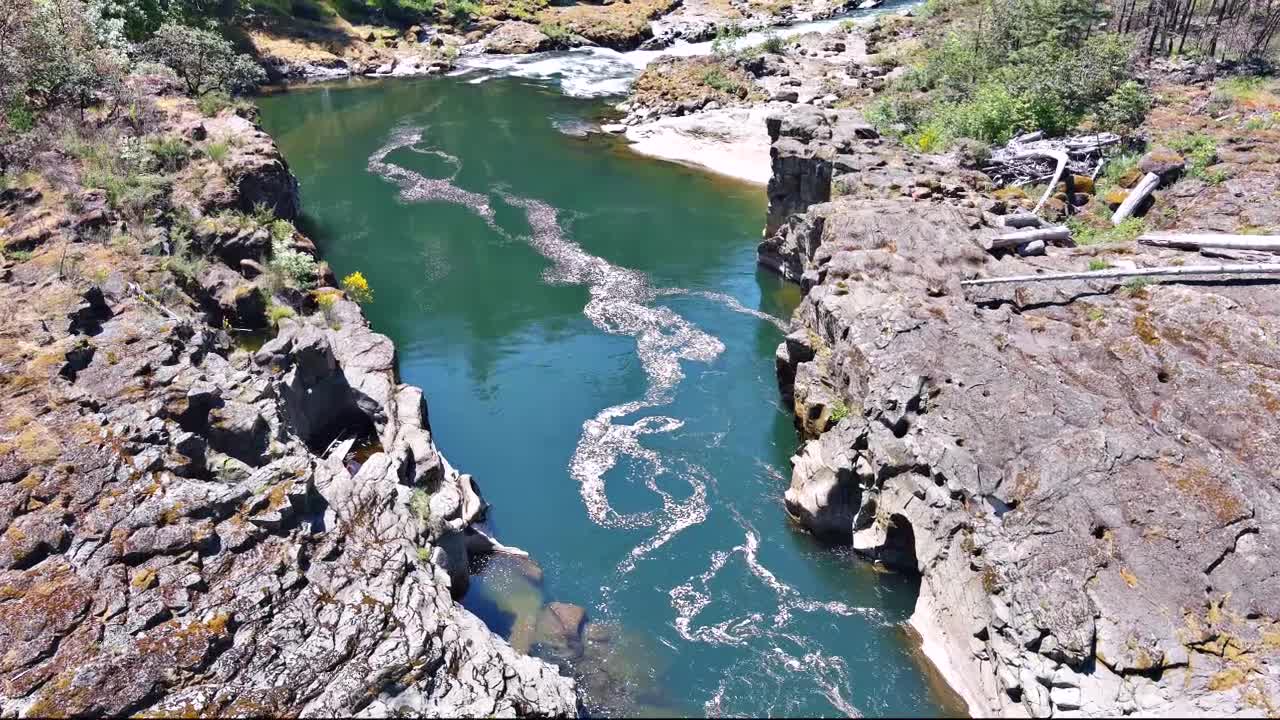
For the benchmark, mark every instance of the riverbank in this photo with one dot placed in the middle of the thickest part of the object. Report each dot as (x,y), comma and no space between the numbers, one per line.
(1048,526)
(202,504)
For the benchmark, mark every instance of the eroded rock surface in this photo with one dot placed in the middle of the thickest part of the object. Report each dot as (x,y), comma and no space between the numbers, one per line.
(190,527)
(1083,473)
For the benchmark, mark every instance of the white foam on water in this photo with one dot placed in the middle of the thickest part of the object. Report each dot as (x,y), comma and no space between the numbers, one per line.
(775,648)
(602,72)
(622,302)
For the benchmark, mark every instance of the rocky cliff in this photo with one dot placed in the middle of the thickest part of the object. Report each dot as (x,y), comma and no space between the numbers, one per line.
(191,524)
(1084,474)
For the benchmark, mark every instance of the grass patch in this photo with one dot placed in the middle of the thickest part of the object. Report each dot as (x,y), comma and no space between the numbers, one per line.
(1084,233)
(1201,152)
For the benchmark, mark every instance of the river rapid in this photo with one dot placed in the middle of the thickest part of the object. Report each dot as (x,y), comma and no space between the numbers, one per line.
(596,344)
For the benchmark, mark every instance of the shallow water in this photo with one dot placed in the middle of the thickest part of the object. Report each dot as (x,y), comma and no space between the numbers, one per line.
(596,344)
(599,72)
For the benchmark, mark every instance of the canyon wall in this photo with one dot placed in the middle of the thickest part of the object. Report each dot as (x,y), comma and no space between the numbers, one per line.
(1083,474)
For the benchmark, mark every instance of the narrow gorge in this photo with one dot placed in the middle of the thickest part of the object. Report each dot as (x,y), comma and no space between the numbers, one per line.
(645,358)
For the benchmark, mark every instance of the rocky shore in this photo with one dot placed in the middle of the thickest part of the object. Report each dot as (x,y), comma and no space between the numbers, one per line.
(195,521)
(1082,472)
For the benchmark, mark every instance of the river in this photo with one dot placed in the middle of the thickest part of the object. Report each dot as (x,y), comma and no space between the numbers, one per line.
(596,345)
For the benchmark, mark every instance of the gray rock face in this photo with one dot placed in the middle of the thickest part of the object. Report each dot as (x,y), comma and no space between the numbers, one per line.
(190,529)
(1083,474)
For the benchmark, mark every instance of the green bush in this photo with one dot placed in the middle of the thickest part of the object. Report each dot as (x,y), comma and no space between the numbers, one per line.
(203,61)
(717,79)
(1028,66)
(460,12)
(276,313)
(290,267)
(170,153)
(217,151)
(557,33)
(773,44)
(1124,109)
(1201,152)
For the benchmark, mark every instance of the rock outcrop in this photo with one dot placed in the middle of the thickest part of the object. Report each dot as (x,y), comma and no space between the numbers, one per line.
(1083,473)
(192,527)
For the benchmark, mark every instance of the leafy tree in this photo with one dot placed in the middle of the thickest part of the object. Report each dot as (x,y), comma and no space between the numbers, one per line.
(203,60)
(58,51)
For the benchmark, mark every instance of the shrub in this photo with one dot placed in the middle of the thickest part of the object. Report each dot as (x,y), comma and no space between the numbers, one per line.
(169,153)
(1124,109)
(289,266)
(726,36)
(1201,152)
(1085,234)
(217,151)
(460,12)
(1098,264)
(717,79)
(184,261)
(276,313)
(357,288)
(773,44)
(556,32)
(420,504)
(202,60)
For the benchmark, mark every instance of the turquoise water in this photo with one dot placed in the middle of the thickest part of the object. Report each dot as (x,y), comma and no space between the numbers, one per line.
(596,345)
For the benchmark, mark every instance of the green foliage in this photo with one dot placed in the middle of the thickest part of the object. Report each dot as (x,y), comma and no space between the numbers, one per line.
(420,504)
(773,44)
(1201,152)
(203,61)
(214,102)
(170,153)
(726,36)
(217,151)
(1136,285)
(276,313)
(289,266)
(1098,264)
(930,138)
(460,12)
(1028,65)
(847,26)
(1125,109)
(717,78)
(56,52)
(1085,234)
(1116,168)
(20,116)
(184,262)
(839,411)
(558,33)
(1241,88)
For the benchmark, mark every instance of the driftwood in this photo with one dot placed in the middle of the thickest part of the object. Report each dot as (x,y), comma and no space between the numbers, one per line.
(1027,157)
(1019,237)
(1201,241)
(1251,269)
(155,303)
(1237,255)
(1058,156)
(1145,187)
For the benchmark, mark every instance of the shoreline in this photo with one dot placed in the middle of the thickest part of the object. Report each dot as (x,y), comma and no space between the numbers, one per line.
(720,141)
(935,649)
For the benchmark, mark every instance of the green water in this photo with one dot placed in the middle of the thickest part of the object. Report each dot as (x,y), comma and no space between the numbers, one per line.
(663,518)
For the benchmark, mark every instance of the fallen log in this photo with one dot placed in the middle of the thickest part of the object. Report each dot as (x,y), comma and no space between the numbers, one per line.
(1018,237)
(1145,187)
(1057,155)
(1178,270)
(1200,241)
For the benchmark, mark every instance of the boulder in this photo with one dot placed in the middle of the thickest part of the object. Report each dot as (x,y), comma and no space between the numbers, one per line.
(558,633)
(514,37)
(1163,162)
